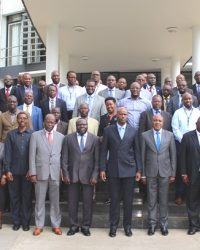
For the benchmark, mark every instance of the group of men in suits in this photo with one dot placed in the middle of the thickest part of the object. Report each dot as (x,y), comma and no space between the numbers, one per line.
(139,124)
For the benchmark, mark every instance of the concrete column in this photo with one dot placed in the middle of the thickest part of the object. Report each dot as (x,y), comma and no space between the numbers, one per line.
(64,68)
(195,50)
(52,51)
(165,71)
(175,68)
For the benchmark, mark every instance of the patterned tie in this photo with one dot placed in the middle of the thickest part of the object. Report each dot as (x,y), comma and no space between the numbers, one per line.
(52,104)
(7,93)
(82,144)
(27,109)
(158,140)
(111,92)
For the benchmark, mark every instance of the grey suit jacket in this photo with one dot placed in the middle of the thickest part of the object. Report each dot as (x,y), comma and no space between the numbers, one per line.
(146,121)
(118,94)
(98,108)
(77,165)
(45,158)
(174,104)
(162,162)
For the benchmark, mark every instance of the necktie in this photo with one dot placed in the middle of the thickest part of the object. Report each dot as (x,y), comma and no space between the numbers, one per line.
(121,132)
(27,109)
(111,92)
(198,88)
(181,102)
(50,138)
(157,111)
(82,143)
(7,92)
(158,140)
(52,104)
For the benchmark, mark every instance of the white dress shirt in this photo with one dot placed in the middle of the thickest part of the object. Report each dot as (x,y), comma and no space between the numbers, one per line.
(79,138)
(183,121)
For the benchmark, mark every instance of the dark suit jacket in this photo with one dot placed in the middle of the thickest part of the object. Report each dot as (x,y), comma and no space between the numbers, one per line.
(190,156)
(158,89)
(124,158)
(59,103)
(174,104)
(77,165)
(194,89)
(146,121)
(104,122)
(62,127)
(3,99)
(36,95)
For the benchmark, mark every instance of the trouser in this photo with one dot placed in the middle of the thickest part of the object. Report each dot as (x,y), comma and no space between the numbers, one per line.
(73,201)
(20,190)
(41,188)
(121,188)
(157,194)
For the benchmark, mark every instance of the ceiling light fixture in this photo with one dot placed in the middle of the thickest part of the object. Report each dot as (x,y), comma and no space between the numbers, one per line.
(155,59)
(79,28)
(172,29)
(85,58)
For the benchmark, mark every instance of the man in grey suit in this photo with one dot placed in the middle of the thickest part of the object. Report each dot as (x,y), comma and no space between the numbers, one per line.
(44,170)
(95,102)
(112,90)
(121,166)
(159,169)
(80,160)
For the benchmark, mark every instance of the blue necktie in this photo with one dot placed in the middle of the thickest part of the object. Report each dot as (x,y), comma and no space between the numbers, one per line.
(82,144)
(158,140)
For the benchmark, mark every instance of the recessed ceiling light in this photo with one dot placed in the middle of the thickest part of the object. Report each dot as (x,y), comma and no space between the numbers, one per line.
(172,29)
(79,28)
(85,58)
(155,59)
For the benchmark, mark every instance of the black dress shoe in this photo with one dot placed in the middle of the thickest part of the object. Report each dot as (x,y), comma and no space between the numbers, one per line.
(112,232)
(85,232)
(192,230)
(128,232)
(72,231)
(151,231)
(16,227)
(25,227)
(164,231)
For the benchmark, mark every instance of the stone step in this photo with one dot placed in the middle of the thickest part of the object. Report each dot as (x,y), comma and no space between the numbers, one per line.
(177,215)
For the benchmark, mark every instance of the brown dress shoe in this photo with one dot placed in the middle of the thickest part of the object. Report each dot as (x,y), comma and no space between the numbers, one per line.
(179,201)
(37,231)
(57,230)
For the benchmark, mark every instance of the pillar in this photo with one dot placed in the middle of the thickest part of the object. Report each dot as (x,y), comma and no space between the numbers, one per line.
(195,50)
(175,68)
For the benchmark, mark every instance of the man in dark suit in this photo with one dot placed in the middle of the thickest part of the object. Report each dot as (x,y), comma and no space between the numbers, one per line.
(52,101)
(166,95)
(146,116)
(190,170)
(122,167)
(196,86)
(80,165)
(5,92)
(112,90)
(176,101)
(34,112)
(150,89)
(159,169)
(28,86)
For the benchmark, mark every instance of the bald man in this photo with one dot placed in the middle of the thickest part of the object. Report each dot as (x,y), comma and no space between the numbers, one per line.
(122,167)
(159,169)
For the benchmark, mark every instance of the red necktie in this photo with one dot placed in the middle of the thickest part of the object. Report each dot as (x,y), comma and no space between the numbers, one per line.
(7,92)
(50,139)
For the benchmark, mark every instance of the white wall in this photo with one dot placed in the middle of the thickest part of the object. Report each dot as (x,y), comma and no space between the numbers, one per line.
(10,7)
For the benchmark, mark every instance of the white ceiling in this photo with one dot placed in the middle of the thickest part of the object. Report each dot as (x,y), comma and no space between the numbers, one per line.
(121,35)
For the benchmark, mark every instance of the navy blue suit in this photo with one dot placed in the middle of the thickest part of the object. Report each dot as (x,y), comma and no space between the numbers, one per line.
(121,167)
(36,116)
(37,96)
(59,104)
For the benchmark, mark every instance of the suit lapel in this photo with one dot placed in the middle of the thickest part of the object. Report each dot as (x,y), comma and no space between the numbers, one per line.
(43,134)
(152,140)
(117,133)
(75,139)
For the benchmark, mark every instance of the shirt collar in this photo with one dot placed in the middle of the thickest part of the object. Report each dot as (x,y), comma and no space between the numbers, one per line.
(198,134)
(84,135)
(119,126)
(155,131)
(90,96)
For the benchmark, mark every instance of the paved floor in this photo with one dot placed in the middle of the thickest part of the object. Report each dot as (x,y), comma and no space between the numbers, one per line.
(99,240)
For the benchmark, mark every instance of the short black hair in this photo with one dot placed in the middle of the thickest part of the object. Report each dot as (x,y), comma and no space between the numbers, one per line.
(110,98)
